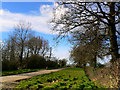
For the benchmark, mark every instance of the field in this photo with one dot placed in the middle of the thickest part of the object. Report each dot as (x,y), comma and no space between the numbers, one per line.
(5,73)
(14,72)
(64,79)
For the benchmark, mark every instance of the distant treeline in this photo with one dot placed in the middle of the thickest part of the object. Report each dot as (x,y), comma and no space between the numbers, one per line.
(24,50)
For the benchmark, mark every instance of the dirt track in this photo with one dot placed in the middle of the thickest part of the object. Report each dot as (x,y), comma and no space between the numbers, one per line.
(11,81)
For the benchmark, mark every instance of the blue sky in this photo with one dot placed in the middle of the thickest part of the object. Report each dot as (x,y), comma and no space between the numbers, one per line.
(24,7)
(38,14)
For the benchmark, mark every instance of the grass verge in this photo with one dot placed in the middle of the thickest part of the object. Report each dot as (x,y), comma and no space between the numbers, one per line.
(71,78)
(14,72)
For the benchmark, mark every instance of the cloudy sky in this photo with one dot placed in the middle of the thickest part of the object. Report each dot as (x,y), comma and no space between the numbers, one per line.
(38,14)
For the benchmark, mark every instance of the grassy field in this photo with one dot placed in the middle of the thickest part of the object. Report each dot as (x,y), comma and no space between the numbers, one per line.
(14,72)
(5,73)
(67,78)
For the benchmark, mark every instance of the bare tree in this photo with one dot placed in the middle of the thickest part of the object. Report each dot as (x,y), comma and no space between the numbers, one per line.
(22,34)
(80,14)
(45,48)
(38,46)
(35,44)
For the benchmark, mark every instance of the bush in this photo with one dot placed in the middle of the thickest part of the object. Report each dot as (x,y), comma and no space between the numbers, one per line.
(35,62)
(62,63)
(51,64)
(9,65)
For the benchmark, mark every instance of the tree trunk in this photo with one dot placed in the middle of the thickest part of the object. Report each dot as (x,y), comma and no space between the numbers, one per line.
(84,66)
(21,56)
(28,53)
(115,61)
(95,61)
(112,34)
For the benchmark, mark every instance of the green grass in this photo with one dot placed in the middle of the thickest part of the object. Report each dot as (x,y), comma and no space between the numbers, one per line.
(14,72)
(5,73)
(65,79)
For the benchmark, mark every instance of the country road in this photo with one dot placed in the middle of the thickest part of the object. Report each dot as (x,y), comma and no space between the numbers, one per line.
(12,80)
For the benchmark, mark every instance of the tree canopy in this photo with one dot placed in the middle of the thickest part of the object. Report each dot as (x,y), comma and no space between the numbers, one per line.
(78,17)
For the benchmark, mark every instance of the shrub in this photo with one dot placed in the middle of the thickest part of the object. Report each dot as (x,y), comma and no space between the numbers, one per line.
(9,65)
(35,61)
(51,63)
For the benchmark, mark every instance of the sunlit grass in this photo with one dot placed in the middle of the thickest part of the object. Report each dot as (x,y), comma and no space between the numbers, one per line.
(67,78)
(14,72)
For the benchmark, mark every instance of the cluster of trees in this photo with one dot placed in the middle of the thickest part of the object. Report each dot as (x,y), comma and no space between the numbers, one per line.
(62,63)
(94,28)
(89,46)
(24,50)
(37,61)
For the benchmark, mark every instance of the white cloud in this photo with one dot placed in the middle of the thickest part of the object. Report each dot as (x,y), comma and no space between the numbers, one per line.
(60,10)
(0,41)
(39,23)
(44,9)
(61,53)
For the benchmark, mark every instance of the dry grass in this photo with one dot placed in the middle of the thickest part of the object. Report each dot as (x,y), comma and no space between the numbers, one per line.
(100,75)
